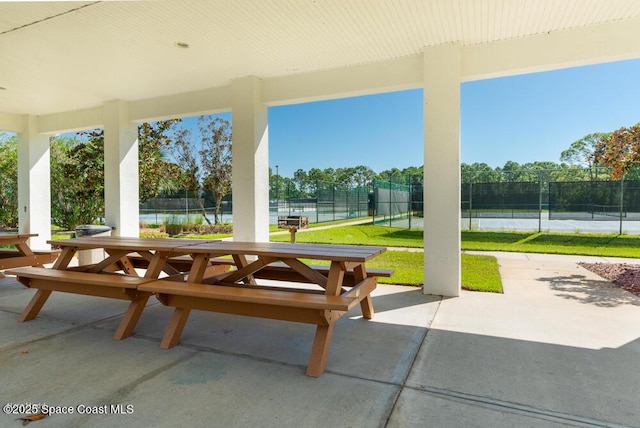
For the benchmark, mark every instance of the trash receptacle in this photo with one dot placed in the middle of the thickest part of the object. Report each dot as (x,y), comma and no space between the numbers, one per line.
(89,257)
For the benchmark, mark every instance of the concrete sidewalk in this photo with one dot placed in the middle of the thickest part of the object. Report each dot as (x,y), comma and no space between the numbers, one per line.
(559,348)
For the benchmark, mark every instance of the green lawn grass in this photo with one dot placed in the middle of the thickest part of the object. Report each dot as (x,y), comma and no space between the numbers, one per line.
(551,243)
(478,272)
(554,243)
(365,234)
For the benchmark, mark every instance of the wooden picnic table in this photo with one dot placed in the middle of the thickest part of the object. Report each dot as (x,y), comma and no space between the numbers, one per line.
(20,254)
(295,289)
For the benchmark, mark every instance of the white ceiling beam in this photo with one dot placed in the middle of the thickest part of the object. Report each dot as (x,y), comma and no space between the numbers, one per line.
(12,122)
(69,121)
(614,41)
(387,76)
(206,101)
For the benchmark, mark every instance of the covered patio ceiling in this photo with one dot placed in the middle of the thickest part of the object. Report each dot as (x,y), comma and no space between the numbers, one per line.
(79,65)
(67,56)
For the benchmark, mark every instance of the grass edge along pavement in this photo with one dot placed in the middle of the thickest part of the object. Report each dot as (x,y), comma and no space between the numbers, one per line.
(604,245)
(479,273)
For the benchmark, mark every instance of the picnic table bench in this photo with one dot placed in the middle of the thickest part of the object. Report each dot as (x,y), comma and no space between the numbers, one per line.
(114,286)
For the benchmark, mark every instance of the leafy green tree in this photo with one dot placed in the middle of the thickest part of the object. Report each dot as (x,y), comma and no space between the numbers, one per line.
(479,173)
(156,173)
(581,153)
(415,174)
(190,174)
(393,174)
(511,171)
(9,180)
(362,176)
(207,170)
(316,174)
(77,181)
(345,176)
(215,134)
(301,180)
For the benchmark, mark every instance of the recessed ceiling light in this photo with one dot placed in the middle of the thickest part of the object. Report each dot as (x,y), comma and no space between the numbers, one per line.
(182,45)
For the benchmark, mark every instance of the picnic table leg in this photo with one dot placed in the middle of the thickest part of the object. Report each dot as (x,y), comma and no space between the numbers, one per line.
(366,304)
(324,333)
(176,325)
(131,317)
(33,308)
(320,350)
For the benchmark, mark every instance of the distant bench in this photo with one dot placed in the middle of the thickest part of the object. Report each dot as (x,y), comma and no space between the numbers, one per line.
(110,285)
(305,306)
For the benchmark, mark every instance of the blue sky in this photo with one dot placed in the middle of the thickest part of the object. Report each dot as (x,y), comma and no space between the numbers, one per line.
(525,118)
(522,118)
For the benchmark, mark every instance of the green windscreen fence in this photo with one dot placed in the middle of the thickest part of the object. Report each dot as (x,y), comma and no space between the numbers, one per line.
(501,200)
(594,200)
(397,204)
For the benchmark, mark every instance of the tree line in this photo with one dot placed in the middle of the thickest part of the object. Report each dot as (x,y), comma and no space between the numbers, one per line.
(169,164)
(305,184)
(597,156)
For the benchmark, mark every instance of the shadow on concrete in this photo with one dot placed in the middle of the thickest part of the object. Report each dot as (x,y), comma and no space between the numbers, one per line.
(588,291)
(476,380)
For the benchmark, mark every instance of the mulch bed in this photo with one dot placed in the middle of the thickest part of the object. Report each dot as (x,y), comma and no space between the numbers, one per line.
(623,275)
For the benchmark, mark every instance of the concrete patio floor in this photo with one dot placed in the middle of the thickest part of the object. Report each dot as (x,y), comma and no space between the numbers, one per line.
(559,348)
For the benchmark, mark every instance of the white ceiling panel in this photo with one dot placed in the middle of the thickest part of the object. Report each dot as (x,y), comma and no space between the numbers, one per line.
(60,56)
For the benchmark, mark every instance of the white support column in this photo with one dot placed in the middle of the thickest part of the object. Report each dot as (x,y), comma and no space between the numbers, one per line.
(442,170)
(250,161)
(34,185)
(121,195)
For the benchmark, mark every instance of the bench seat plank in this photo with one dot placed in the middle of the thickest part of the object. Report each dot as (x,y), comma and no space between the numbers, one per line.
(252,295)
(258,301)
(10,258)
(74,277)
(108,285)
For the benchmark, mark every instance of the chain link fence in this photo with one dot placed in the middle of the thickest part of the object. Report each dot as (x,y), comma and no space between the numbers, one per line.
(541,200)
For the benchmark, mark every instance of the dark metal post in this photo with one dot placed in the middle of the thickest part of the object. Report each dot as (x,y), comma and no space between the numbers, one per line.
(410,200)
(333,200)
(289,197)
(470,200)
(539,202)
(277,191)
(390,205)
(621,201)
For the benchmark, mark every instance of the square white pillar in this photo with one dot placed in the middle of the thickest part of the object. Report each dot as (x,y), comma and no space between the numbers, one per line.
(34,184)
(250,161)
(442,170)
(121,191)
